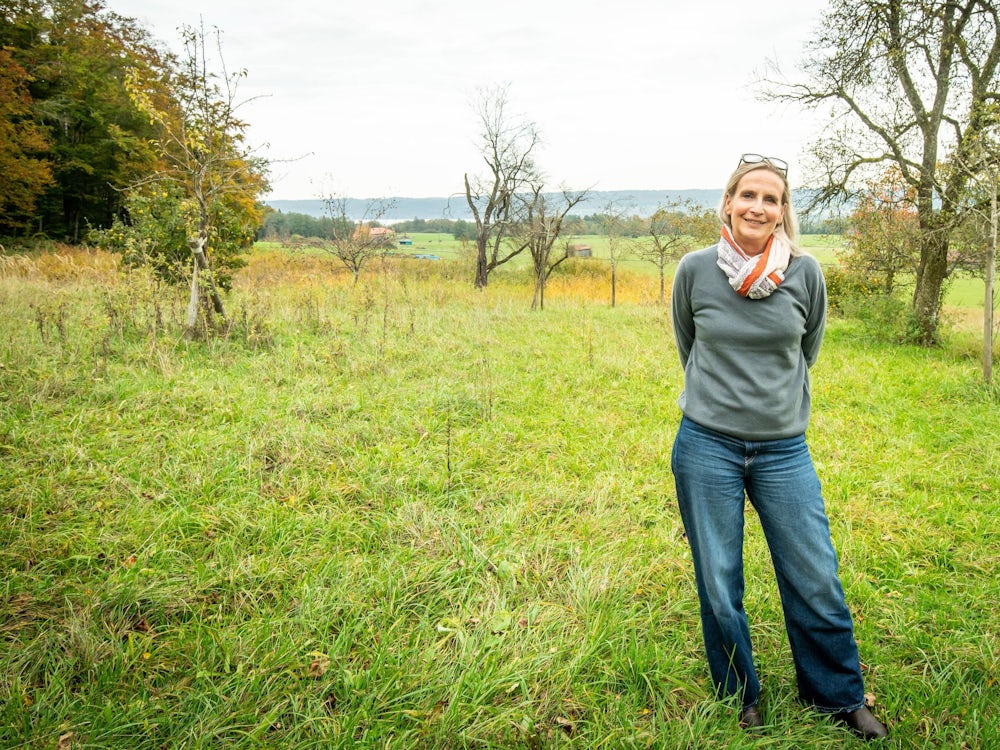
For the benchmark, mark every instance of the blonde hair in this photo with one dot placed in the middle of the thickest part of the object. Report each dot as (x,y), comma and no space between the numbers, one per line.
(789,226)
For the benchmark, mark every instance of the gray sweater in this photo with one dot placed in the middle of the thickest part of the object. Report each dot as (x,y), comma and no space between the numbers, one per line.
(746,362)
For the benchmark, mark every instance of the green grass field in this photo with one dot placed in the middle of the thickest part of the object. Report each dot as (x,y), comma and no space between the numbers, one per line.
(412,515)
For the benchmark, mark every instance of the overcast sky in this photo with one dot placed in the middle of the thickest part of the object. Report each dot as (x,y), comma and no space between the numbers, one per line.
(374,98)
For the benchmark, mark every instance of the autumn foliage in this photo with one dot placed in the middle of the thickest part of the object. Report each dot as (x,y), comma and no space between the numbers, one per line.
(23,147)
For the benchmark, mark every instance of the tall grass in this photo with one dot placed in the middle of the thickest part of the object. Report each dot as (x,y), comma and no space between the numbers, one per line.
(409,514)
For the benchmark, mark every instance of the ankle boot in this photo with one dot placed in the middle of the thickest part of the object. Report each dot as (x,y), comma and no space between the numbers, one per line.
(863,723)
(750,718)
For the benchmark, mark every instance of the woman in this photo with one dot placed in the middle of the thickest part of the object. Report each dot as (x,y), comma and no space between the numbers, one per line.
(748,317)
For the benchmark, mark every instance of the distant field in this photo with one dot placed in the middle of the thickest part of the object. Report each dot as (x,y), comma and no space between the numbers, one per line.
(962,292)
(962,298)
(824,247)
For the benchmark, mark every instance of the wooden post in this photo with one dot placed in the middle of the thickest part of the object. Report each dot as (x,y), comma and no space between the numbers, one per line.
(991,264)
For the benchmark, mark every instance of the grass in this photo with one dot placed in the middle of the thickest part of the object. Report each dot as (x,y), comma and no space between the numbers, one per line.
(409,514)
(963,293)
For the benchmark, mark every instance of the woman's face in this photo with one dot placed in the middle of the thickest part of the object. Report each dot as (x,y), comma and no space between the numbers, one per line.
(755,209)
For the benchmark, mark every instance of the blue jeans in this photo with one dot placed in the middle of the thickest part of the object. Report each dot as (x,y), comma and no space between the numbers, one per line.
(713,472)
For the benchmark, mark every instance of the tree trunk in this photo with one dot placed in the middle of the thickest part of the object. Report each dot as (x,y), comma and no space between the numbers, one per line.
(198,250)
(197,245)
(538,300)
(192,311)
(930,279)
(482,269)
(991,264)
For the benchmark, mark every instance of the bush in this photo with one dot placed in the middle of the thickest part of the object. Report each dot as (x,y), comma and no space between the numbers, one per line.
(851,295)
(158,225)
(844,288)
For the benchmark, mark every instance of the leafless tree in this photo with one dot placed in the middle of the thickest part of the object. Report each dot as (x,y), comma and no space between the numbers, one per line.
(613,221)
(676,227)
(506,144)
(907,83)
(352,242)
(539,230)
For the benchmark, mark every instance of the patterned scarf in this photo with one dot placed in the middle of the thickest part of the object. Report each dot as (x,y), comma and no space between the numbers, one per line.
(753,276)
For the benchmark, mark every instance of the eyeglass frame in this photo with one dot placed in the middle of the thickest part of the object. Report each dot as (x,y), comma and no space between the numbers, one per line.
(772,161)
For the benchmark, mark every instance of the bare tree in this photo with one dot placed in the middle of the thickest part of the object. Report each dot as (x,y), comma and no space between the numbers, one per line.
(676,227)
(506,145)
(539,231)
(352,242)
(906,82)
(613,221)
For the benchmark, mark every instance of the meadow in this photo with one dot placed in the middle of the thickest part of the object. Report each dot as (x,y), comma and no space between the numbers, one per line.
(407,514)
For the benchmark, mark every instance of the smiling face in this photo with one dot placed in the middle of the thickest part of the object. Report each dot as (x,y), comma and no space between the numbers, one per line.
(755,209)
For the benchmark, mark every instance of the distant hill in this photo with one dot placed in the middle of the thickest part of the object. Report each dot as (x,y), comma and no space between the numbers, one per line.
(641,202)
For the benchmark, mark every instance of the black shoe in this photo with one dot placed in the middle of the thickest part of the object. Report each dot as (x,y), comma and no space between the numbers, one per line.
(750,718)
(863,723)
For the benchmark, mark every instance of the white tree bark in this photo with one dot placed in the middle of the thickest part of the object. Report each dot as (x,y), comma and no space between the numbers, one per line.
(192,311)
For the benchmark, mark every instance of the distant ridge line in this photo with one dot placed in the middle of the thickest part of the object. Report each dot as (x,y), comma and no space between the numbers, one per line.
(640,202)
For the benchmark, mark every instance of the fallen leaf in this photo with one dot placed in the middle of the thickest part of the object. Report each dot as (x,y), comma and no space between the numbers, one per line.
(65,741)
(319,665)
(565,724)
(870,700)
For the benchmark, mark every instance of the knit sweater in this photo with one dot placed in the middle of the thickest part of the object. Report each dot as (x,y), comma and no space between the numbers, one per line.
(746,362)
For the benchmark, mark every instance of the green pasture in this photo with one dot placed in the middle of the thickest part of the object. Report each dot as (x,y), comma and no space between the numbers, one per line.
(409,514)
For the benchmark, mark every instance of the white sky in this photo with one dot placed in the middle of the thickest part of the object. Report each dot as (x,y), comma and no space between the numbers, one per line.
(375,98)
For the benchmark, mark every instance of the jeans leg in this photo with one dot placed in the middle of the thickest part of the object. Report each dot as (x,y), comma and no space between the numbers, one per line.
(708,473)
(783,487)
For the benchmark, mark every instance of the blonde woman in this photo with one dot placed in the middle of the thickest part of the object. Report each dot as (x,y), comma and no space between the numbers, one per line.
(748,318)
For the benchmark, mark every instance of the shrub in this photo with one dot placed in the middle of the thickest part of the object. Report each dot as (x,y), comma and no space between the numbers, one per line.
(158,225)
(851,295)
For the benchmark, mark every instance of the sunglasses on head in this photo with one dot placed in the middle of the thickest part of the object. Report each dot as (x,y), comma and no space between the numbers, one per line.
(772,161)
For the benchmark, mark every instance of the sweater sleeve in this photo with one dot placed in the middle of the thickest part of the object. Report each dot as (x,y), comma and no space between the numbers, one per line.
(682,315)
(816,318)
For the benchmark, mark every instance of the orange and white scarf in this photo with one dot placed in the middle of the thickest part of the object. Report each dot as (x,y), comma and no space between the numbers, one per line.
(753,276)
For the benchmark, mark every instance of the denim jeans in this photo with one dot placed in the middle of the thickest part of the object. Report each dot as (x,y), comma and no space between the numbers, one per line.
(713,472)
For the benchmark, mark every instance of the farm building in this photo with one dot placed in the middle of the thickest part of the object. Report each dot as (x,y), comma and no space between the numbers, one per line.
(578,250)
(376,235)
